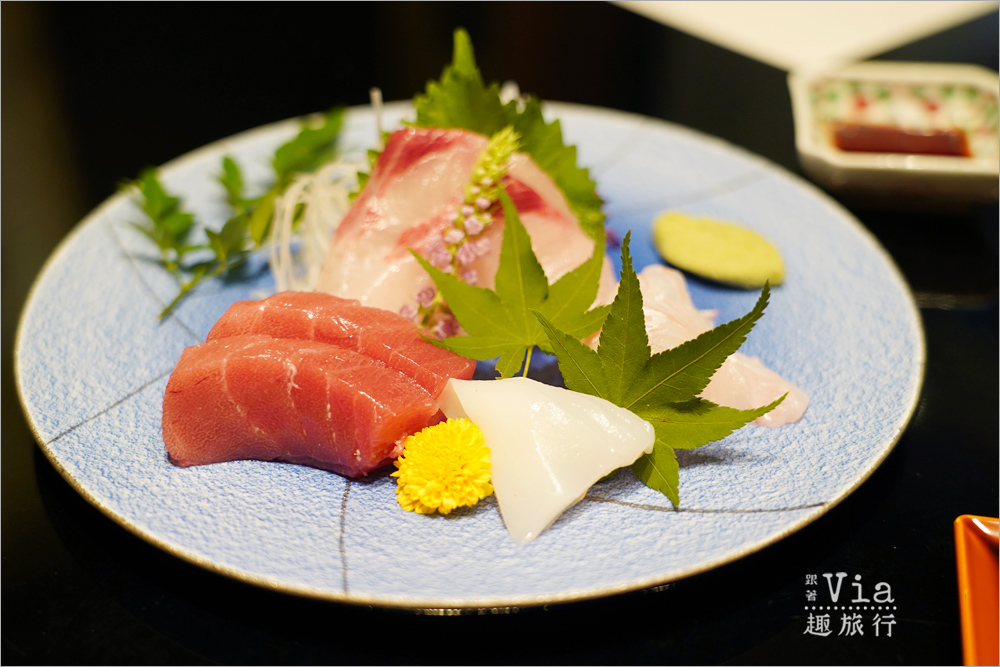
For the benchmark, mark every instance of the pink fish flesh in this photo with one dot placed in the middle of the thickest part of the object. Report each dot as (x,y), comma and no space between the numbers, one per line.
(741,382)
(414,189)
(306,402)
(390,338)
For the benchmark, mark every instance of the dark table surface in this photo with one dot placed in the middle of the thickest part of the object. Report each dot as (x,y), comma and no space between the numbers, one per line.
(94,93)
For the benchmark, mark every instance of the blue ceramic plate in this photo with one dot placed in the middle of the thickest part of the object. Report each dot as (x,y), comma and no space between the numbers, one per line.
(93,361)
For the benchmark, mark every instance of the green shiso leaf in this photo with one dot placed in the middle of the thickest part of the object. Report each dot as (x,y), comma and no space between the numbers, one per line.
(544,143)
(460,99)
(660,388)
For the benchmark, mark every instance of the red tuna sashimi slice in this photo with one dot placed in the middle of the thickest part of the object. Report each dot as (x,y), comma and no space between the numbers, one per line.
(373,332)
(417,183)
(259,397)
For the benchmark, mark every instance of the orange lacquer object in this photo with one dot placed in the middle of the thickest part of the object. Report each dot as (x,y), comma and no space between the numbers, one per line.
(976,552)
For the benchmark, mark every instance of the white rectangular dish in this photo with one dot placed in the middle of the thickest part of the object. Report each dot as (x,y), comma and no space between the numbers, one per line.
(907,133)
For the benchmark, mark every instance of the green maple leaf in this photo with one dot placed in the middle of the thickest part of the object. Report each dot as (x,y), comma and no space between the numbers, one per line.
(501,322)
(661,388)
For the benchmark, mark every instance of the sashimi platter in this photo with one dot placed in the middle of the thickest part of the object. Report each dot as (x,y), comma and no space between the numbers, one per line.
(468,351)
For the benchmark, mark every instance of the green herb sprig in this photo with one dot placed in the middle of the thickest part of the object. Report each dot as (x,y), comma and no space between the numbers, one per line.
(169,226)
(247,229)
(500,322)
(661,388)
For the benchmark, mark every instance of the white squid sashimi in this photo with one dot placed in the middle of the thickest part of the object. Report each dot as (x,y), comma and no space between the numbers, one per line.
(548,445)
(741,382)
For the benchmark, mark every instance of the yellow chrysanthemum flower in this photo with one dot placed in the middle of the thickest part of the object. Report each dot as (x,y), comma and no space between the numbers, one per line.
(443,467)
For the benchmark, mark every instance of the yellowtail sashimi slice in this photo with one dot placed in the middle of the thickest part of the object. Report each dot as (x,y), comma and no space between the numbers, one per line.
(548,445)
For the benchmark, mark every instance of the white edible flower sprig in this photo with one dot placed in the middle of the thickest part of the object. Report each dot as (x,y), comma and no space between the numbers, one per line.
(461,243)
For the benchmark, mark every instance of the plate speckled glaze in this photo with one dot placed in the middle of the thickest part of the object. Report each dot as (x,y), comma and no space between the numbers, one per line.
(93,361)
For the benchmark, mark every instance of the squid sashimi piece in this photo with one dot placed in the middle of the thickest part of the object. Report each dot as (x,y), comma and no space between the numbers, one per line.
(416,185)
(741,382)
(548,445)
(373,332)
(271,399)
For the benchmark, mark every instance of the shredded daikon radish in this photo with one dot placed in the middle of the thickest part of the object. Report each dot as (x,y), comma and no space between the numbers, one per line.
(375,94)
(324,198)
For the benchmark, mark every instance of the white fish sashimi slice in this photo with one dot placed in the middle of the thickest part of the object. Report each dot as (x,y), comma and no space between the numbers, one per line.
(418,179)
(671,316)
(415,188)
(741,382)
(548,445)
(744,382)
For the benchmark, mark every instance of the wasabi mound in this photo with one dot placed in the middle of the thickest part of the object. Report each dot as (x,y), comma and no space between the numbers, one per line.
(717,250)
